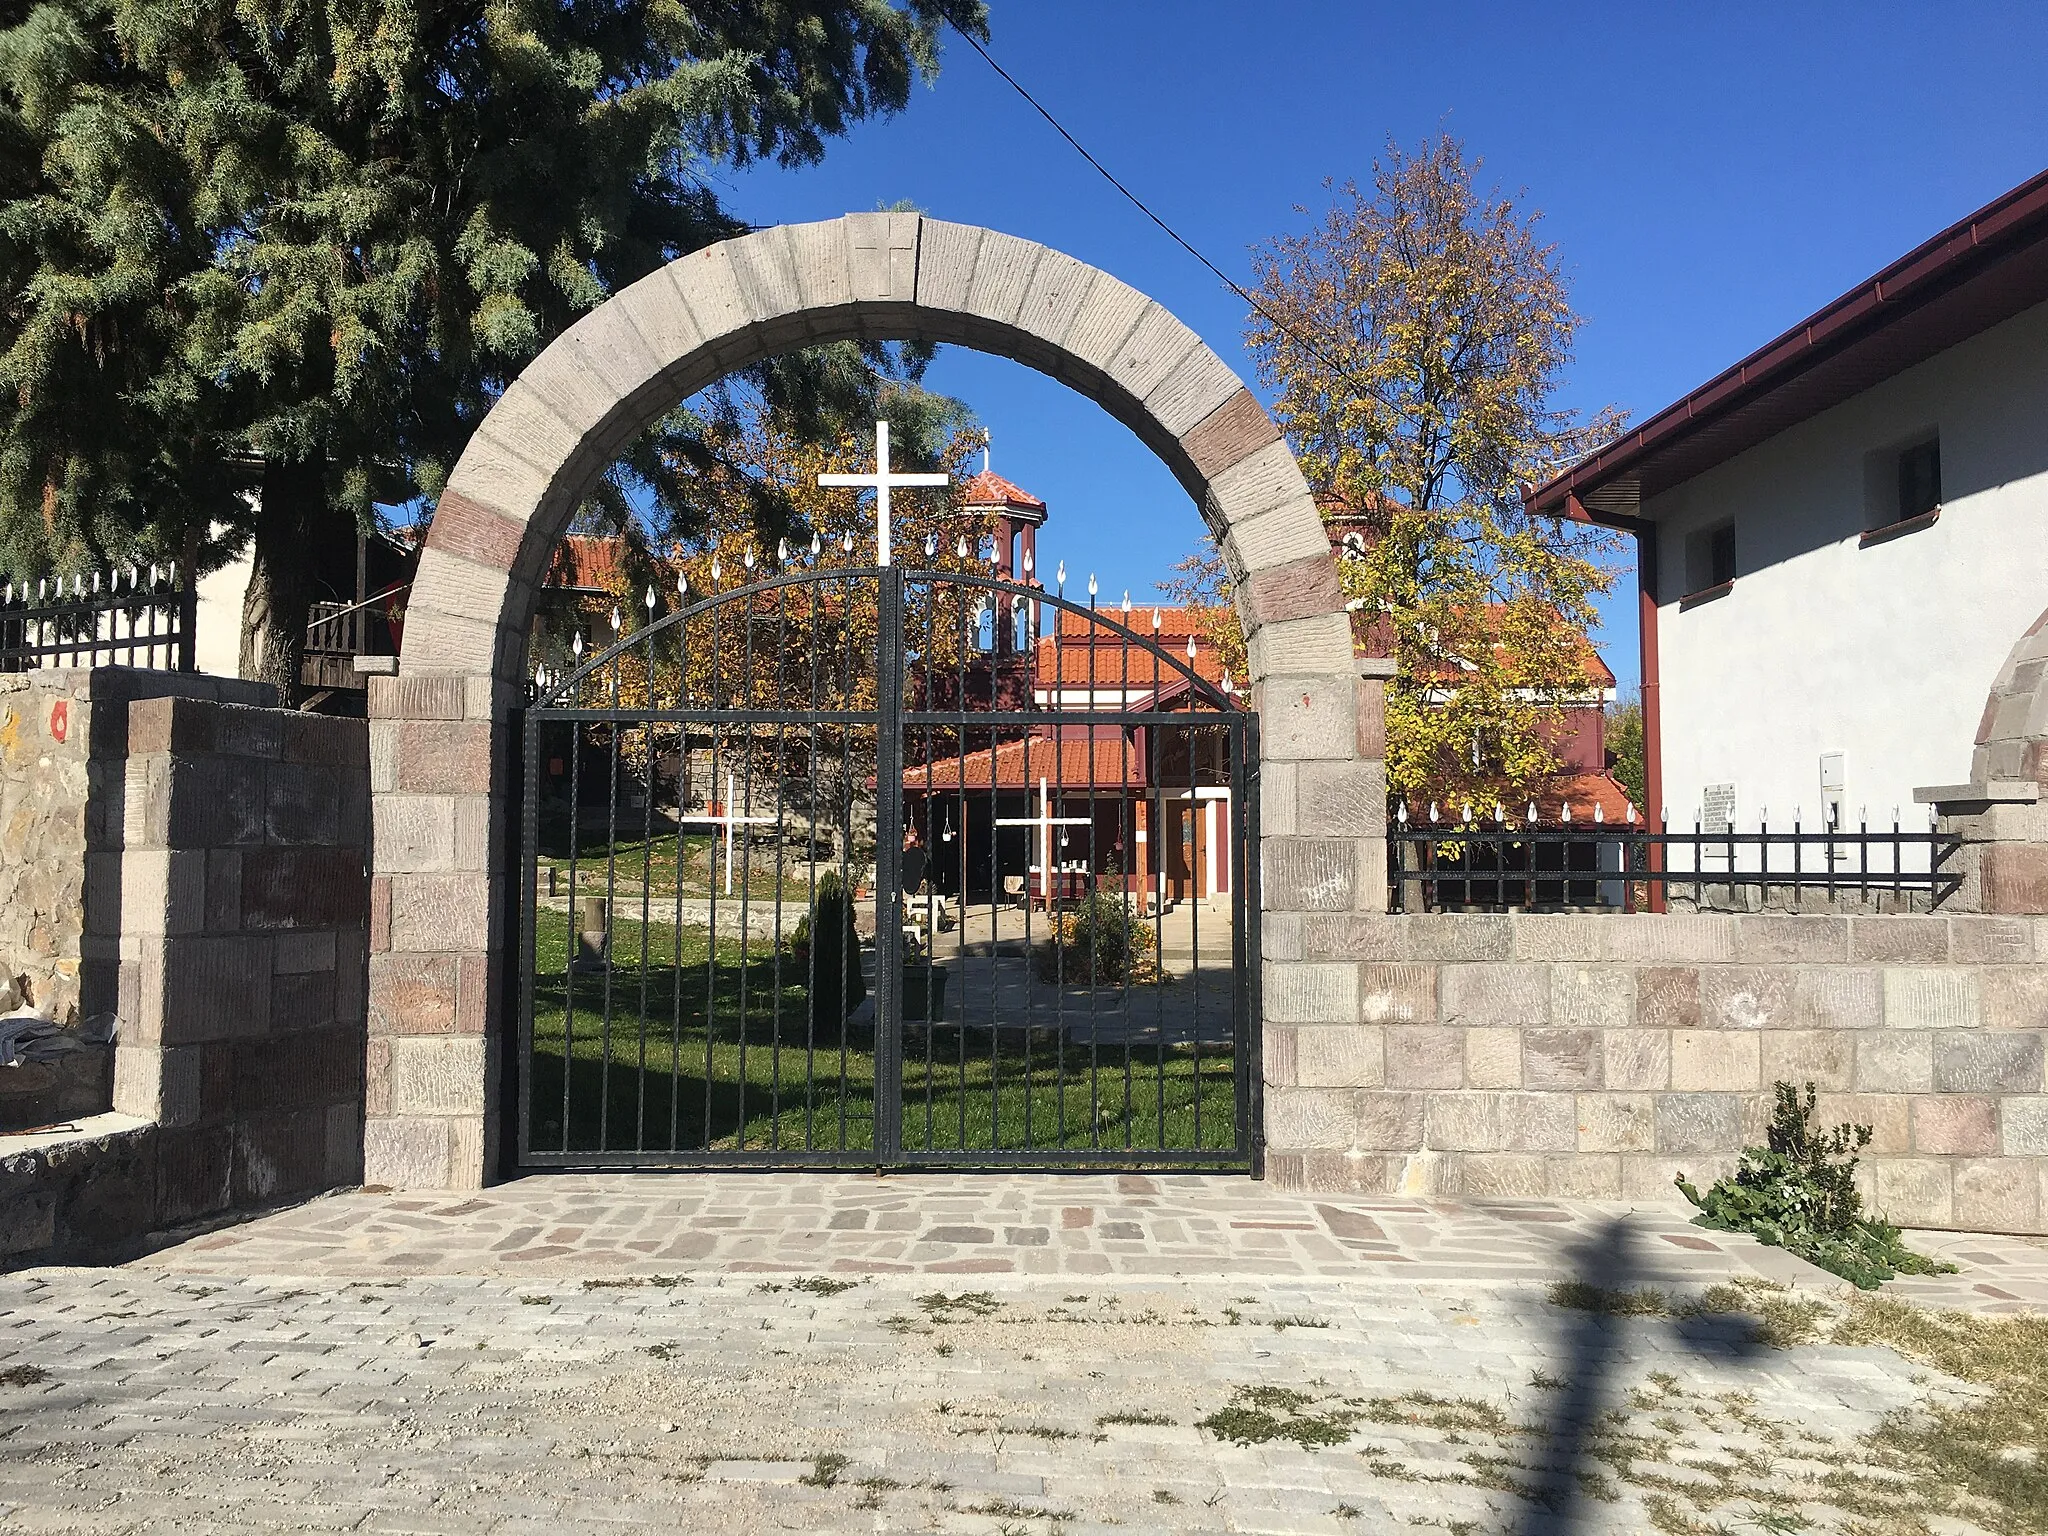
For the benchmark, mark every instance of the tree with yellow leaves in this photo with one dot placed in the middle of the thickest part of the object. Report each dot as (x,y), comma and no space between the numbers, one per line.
(1415,338)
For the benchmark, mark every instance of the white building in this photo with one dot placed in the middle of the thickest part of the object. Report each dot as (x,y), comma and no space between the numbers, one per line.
(1843,535)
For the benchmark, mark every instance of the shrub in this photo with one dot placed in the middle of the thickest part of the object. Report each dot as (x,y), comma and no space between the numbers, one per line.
(827,949)
(1099,940)
(1799,1193)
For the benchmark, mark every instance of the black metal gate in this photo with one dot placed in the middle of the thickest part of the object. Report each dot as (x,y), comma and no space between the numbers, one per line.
(882,867)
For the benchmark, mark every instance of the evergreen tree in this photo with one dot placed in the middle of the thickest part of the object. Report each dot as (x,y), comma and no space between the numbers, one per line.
(297,246)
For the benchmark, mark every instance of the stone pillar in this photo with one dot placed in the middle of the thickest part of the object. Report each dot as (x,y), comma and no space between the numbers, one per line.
(438,914)
(2003,862)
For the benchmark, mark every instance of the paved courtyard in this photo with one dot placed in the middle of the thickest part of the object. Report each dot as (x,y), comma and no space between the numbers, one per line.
(1085,1354)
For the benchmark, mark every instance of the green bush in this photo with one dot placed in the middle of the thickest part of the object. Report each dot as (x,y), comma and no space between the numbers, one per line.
(827,948)
(1799,1193)
(1099,941)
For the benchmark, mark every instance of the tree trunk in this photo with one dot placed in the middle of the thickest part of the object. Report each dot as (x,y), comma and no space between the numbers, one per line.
(289,526)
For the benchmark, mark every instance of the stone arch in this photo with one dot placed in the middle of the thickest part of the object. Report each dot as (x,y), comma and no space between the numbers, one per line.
(2012,738)
(441,747)
(2000,815)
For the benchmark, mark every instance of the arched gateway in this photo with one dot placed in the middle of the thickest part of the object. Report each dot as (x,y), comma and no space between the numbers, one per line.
(446,759)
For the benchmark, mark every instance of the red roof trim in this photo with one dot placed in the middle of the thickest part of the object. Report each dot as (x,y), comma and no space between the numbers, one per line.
(2015,221)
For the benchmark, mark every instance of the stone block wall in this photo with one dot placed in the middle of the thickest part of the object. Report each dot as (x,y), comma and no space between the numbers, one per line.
(242,930)
(1598,1056)
(224,918)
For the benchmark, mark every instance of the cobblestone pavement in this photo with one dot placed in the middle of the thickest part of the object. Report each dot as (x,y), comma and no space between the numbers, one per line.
(749,1353)
(145,1400)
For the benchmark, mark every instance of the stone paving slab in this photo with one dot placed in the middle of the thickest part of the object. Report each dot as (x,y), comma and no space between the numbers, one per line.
(1131,1225)
(1093,1226)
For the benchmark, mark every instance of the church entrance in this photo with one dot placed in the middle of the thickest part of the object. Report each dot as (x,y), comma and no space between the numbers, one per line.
(815,873)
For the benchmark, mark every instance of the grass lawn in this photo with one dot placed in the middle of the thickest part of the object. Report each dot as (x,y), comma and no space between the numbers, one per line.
(754,1081)
(702,856)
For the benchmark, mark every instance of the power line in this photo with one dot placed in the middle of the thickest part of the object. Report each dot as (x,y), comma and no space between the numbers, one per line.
(1139,203)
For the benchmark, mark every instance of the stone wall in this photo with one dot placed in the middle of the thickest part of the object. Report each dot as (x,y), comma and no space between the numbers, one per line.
(43,785)
(1597,1056)
(63,739)
(226,911)
(244,911)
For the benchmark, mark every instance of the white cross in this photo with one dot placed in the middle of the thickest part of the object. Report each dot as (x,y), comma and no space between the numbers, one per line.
(882,480)
(1045,821)
(728,821)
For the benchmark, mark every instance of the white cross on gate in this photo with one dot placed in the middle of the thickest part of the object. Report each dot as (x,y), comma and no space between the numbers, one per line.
(727,821)
(1045,821)
(882,481)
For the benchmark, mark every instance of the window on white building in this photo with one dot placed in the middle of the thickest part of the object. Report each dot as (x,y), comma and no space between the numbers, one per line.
(1919,479)
(1901,487)
(1709,559)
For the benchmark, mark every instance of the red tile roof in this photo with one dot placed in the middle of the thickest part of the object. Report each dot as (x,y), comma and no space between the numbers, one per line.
(989,489)
(1101,760)
(588,563)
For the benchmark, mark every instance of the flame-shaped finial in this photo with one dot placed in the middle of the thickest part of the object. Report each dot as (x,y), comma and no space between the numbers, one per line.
(1155,621)
(846,541)
(714,570)
(817,546)
(576,645)
(1029,562)
(782,551)
(650,602)
(1191,647)
(617,618)
(1127,602)
(1060,575)
(960,547)
(748,559)
(682,585)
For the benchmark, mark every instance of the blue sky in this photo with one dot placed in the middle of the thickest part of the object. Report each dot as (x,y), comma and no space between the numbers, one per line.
(1709,174)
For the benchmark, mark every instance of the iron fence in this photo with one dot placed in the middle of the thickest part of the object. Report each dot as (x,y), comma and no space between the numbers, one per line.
(137,617)
(1499,863)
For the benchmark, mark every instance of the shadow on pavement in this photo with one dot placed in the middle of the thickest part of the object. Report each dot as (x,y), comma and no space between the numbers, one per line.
(1594,1344)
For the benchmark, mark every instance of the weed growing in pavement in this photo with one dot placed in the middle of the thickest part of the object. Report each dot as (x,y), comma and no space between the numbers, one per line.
(943,1350)
(1578,1296)
(1798,1192)
(1131,1418)
(536,1301)
(23,1376)
(1279,1324)
(1781,1317)
(822,1285)
(825,1470)
(1260,1415)
(660,1351)
(1347,1512)
(966,1307)
(1164,1496)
